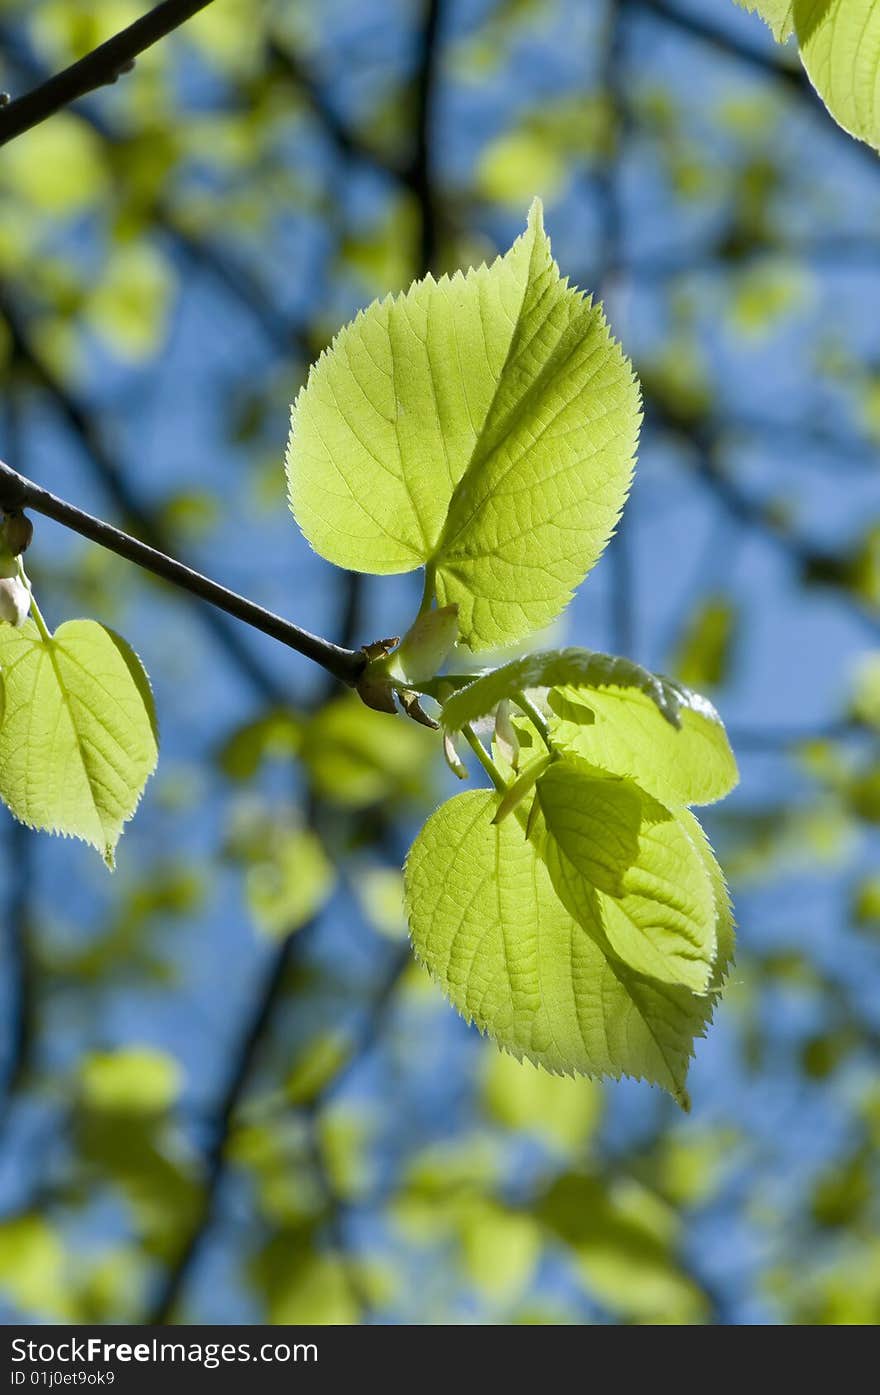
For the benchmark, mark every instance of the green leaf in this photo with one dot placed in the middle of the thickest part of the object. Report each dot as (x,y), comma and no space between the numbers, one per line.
(621,863)
(354,759)
(725,925)
(426,646)
(624,1241)
(35,1273)
(500,1249)
(618,716)
(289,883)
(703,655)
(840,48)
(132,1080)
(483,425)
(554,668)
(79,740)
(779,14)
(622,731)
(564,1113)
(864,705)
(487,923)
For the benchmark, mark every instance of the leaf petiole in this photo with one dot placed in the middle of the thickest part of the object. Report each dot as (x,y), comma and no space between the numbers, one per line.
(45,633)
(536,717)
(484,758)
(521,786)
(430,587)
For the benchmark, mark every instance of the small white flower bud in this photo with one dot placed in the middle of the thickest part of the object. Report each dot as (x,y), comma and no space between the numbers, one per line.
(15,600)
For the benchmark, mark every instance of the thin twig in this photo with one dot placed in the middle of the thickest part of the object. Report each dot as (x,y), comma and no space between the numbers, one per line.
(17,493)
(113,480)
(98,68)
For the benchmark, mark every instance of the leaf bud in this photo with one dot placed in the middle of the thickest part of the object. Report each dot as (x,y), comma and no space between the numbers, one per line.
(17,532)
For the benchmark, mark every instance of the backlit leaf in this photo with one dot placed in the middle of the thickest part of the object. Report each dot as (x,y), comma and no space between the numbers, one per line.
(78,741)
(484,425)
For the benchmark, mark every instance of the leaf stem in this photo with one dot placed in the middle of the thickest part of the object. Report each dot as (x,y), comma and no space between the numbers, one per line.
(45,634)
(17,492)
(430,587)
(536,717)
(484,758)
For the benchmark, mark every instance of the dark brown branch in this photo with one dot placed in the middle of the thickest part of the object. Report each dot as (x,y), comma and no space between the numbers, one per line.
(717,38)
(100,67)
(114,481)
(18,493)
(420,174)
(347,141)
(813,562)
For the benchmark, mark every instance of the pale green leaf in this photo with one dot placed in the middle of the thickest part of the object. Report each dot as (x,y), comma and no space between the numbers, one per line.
(290,882)
(380,893)
(840,48)
(725,925)
(355,759)
(426,646)
(564,1113)
(130,1080)
(35,1273)
(79,740)
(518,161)
(779,14)
(487,923)
(500,1249)
(624,1240)
(621,863)
(618,716)
(130,302)
(702,658)
(865,698)
(621,731)
(555,668)
(485,426)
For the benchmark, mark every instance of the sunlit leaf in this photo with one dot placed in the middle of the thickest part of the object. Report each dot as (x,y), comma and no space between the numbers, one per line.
(839,43)
(621,863)
(79,740)
(486,921)
(131,1080)
(484,425)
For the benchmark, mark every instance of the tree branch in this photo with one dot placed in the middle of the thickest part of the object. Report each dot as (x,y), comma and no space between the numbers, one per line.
(420,174)
(18,493)
(810,558)
(725,42)
(114,481)
(347,141)
(100,67)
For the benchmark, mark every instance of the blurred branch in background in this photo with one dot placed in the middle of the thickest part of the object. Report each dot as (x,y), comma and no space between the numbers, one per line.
(608,277)
(116,481)
(18,849)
